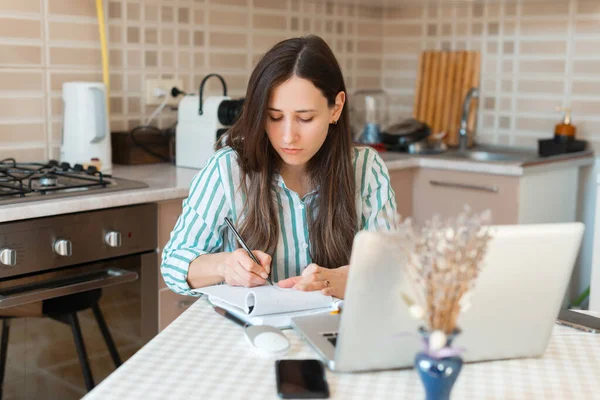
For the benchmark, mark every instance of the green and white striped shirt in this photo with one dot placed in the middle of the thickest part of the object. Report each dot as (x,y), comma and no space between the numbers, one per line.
(214,195)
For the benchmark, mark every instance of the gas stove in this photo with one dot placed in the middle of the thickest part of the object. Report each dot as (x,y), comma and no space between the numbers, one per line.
(25,182)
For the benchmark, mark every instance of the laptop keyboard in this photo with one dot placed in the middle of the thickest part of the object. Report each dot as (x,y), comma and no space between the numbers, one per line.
(331,337)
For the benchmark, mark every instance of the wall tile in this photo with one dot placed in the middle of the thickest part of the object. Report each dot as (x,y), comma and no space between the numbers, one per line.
(540,86)
(150,12)
(239,3)
(27,6)
(228,40)
(73,8)
(268,21)
(235,61)
(22,107)
(547,66)
(402,31)
(586,67)
(543,28)
(587,7)
(74,56)
(58,78)
(20,133)
(548,8)
(29,154)
(586,87)
(543,47)
(133,11)
(271,4)
(22,81)
(14,28)
(67,31)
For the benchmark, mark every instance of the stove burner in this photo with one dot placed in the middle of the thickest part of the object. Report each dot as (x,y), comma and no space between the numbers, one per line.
(48,181)
(25,179)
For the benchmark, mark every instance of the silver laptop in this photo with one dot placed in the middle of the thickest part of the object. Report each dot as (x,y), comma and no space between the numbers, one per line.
(514,306)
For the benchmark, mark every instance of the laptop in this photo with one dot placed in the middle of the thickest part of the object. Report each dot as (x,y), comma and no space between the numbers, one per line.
(515,302)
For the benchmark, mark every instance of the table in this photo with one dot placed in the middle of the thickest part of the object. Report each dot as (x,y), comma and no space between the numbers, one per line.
(202,355)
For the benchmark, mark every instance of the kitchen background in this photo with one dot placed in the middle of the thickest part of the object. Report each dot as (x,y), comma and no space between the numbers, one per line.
(533,58)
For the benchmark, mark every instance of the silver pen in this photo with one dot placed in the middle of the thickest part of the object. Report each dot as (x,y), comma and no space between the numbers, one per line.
(245,246)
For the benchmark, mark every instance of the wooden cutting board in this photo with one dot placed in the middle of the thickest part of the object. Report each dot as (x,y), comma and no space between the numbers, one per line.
(443,80)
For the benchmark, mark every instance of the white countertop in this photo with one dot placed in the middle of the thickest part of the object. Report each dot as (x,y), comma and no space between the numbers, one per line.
(202,355)
(167,182)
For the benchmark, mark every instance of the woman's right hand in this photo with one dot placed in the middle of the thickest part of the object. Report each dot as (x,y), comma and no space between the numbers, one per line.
(238,269)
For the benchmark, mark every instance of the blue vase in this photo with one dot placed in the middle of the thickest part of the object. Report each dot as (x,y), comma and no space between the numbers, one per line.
(438,374)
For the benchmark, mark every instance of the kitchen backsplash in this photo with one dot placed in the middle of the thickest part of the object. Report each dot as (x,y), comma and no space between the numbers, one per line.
(533,58)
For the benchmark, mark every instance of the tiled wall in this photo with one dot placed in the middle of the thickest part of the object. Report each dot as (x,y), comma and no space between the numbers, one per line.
(44,43)
(535,56)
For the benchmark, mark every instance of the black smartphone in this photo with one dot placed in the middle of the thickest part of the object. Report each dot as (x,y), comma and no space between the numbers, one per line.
(301,379)
(579,321)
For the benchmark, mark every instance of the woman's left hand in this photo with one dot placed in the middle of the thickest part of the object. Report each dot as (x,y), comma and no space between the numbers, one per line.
(331,282)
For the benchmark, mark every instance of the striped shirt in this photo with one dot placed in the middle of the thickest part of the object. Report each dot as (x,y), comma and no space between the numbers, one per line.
(215,194)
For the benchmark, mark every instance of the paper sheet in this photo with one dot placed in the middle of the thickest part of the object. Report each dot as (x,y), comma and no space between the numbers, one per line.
(266,299)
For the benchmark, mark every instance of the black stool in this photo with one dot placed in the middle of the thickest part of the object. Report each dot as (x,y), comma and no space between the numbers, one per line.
(64,309)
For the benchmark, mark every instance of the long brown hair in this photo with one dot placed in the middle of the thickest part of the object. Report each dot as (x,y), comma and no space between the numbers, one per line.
(334,224)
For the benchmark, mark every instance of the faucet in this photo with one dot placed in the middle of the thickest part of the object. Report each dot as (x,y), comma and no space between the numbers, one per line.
(463,139)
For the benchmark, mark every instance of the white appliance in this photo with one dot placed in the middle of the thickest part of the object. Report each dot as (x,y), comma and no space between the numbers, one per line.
(196,133)
(86,131)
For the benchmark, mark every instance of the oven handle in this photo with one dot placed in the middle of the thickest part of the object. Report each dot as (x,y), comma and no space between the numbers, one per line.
(52,288)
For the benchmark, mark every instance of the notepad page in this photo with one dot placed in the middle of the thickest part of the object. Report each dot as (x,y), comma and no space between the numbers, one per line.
(267,299)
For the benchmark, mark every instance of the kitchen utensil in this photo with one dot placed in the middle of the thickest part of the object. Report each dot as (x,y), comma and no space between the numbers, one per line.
(398,136)
(369,114)
(85,134)
(443,80)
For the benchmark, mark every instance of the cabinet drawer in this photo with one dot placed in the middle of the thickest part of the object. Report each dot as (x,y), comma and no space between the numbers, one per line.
(171,305)
(447,192)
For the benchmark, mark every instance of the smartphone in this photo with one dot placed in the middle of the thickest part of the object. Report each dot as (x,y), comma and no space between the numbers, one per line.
(301,379)
(579,321)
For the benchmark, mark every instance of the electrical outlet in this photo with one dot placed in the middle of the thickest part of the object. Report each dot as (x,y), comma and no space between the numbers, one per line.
(164,85)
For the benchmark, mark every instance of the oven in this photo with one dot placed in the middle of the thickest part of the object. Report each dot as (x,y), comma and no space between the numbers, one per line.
(113,250)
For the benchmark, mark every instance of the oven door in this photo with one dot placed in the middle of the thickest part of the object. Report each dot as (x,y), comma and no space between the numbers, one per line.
(42,359)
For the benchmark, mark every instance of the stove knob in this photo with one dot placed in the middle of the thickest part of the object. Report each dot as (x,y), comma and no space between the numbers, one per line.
(63,247)
(8,257)
(113,239)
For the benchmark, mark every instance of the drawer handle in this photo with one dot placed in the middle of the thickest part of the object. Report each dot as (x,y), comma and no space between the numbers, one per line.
(75,283)
(483,188)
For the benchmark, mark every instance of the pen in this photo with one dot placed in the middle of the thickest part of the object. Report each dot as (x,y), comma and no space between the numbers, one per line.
(244,245)
(230,316)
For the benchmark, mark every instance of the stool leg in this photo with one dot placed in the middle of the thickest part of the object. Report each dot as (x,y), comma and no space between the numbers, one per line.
(107,337)
(3,352)
(79,345)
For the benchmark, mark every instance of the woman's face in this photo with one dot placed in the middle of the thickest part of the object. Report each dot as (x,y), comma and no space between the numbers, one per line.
(298,119)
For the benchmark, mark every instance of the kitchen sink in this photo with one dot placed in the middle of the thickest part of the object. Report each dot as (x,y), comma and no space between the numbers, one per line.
(476,155)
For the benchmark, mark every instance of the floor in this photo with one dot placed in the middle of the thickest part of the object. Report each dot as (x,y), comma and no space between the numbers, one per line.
(42,361)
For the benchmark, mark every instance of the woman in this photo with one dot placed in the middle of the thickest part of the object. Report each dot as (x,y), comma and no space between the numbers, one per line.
(289,178)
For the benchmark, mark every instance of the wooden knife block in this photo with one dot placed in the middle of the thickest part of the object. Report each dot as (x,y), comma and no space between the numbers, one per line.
(443,80)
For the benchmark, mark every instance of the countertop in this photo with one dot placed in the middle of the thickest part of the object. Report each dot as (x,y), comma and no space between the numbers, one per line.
(202,355)
(167,182)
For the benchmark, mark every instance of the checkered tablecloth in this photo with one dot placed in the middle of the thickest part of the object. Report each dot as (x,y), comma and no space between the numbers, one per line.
(202,355)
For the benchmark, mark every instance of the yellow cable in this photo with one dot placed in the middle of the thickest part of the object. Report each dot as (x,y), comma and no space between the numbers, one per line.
(105,72)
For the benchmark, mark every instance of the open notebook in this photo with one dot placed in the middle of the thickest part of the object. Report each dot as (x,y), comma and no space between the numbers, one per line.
(268,305)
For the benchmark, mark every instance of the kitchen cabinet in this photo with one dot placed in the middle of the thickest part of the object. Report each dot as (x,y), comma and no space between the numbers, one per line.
(402,184)
(542,196)
(447,192)
(171,304)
